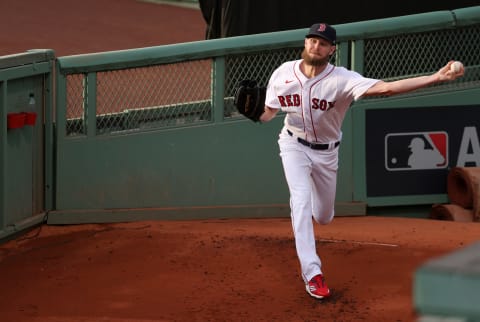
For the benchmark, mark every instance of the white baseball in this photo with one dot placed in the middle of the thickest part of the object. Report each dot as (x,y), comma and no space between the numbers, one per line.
(456,66)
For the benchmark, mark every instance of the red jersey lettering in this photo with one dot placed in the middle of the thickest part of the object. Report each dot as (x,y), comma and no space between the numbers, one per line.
(323,105)
(289,100)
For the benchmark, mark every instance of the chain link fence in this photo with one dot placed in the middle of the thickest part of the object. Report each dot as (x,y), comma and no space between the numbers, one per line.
(422,53)
(142,98)
(182,93)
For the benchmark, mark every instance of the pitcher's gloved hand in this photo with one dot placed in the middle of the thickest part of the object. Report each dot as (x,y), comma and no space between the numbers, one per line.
(250,99)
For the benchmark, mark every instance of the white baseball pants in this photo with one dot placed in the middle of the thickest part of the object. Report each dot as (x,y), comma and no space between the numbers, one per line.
(312,178)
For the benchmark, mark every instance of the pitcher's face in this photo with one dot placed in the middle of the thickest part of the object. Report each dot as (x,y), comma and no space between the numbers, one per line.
(317,51)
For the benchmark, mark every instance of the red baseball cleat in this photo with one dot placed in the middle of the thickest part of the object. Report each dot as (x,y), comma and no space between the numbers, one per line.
(317,287)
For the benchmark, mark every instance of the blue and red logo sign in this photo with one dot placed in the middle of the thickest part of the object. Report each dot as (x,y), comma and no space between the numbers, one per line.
(416,151)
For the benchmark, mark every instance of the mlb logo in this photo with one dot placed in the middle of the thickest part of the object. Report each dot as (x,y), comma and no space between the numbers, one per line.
(416,151)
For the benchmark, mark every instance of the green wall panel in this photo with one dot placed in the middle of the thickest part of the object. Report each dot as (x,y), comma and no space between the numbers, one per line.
(225,164)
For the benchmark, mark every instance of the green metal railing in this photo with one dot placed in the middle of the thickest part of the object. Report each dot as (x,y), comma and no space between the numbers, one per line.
(167,85)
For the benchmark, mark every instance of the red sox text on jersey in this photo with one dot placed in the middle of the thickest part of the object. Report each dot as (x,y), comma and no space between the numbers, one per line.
(295,100)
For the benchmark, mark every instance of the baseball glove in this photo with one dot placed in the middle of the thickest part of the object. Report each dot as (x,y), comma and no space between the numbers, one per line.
(250,99)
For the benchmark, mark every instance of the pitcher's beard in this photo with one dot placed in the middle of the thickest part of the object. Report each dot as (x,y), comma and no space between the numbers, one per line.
(314,61)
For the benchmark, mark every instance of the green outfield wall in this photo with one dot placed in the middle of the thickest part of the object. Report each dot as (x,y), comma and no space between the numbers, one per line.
(152,133)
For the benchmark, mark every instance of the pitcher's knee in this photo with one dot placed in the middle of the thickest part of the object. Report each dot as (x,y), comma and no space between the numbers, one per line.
(323,220)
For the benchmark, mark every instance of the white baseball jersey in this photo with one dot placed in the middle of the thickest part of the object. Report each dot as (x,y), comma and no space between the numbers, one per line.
(315,106)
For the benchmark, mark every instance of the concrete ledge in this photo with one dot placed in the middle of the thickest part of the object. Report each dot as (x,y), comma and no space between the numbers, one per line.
(449,286)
